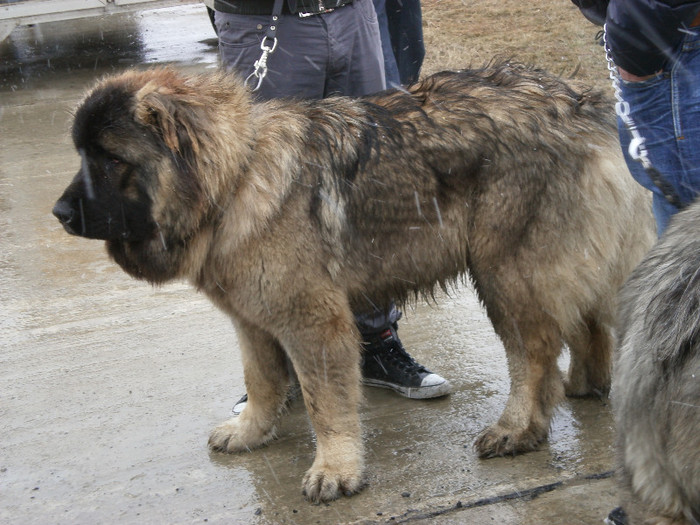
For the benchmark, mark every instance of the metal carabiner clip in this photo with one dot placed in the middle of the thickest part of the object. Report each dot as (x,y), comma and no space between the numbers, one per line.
(260,66)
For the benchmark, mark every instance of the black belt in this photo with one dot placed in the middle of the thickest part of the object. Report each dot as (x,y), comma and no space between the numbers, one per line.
(264,7)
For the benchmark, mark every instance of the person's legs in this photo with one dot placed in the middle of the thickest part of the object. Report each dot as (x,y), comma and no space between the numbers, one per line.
(356,71)
(356,59)
(344,51)
(386,364)
(686,114)
(390,68)
(297,67)
(650,109)
(405,23)
(666,110)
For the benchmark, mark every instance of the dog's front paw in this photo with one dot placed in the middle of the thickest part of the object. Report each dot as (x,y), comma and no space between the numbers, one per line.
(326,483)
(238,435)
(498,440)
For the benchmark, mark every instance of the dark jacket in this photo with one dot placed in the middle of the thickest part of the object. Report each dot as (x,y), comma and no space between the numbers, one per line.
(642,35)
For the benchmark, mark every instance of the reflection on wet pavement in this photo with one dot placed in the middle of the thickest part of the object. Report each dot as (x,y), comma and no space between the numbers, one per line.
(102,44)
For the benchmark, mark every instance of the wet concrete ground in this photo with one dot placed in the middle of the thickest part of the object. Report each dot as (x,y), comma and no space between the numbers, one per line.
(109,388)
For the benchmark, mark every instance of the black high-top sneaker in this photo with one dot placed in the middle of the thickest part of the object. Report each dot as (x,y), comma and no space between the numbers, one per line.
(386,364)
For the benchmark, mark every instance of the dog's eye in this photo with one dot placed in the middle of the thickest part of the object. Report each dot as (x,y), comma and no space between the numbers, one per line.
(111,163)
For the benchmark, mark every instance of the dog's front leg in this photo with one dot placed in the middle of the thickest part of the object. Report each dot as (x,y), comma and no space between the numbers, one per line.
(325,353)
(267,380)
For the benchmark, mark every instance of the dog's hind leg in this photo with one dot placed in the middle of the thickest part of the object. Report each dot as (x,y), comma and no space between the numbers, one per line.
(267,380)
(590,366)
(536,386)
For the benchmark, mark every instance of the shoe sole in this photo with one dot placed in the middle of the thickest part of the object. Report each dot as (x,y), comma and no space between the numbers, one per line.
(421,392)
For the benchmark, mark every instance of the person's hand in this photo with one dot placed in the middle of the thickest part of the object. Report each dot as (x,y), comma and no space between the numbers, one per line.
(629,77)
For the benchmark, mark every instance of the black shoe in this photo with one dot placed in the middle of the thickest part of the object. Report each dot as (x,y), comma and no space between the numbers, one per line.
(293,394)
(617,516)
(386,364)
(240,405)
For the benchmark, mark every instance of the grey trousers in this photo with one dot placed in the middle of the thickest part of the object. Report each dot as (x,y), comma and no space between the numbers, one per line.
(316,56)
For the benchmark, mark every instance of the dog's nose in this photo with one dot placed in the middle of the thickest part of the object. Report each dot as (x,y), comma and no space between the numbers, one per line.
(63,212)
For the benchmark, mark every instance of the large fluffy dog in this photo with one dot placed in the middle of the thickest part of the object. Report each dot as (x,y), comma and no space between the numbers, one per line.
(290,215)
(656,385)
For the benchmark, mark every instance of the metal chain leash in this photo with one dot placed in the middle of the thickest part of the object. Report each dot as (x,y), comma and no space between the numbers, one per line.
(637,148)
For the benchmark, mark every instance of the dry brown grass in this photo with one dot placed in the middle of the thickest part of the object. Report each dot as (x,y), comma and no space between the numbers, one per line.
(548,33)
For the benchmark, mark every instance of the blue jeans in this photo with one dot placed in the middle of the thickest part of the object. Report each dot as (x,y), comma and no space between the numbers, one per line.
(666,110)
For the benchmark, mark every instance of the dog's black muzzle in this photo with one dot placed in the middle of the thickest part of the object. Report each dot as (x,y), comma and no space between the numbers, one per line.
(103,215)
(66,215)
(89,217)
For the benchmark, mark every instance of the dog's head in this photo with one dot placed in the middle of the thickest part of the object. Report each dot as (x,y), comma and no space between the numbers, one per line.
(148,179)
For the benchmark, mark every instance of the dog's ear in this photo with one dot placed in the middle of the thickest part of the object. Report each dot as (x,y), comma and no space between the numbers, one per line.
(169,109)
